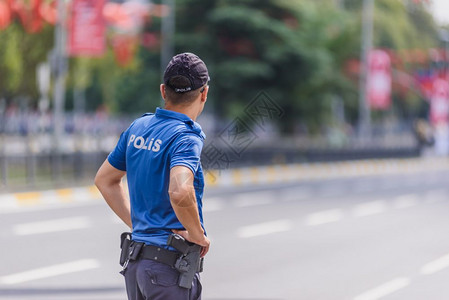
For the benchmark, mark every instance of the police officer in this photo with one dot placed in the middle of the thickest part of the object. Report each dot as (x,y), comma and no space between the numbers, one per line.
(160,155)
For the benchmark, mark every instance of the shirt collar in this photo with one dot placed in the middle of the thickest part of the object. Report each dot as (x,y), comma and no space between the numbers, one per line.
(165,113)
(160,112)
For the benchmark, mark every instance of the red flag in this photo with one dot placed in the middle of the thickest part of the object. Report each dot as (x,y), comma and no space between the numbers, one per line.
(379,80)
(439,103)
(28,13)
(35,23)
(5,15)
(87,28)
(49,11)
(124,48)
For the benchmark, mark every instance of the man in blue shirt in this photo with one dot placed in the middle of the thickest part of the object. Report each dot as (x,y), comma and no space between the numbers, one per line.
(160,155)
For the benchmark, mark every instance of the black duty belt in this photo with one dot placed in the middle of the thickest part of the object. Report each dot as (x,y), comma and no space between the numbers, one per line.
(132,250)
(187,261)
(159,254)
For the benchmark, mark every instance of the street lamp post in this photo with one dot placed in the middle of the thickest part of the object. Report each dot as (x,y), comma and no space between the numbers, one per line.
(167,34)
(60,71)
(367,41)
(444,37)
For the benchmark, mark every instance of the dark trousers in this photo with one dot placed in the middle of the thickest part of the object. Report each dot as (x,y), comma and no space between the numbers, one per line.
(150,280)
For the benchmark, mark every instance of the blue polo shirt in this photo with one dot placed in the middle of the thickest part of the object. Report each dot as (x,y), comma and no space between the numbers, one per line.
(147,150)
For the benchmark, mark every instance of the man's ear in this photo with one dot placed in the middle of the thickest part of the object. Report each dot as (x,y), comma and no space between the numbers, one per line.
(204,94)
(162,88)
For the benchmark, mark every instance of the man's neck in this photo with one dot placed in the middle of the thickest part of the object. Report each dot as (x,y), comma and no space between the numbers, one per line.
(189,111)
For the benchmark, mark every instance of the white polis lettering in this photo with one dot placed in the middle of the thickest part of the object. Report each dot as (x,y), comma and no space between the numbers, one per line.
(157,145)
(131,139)
(149,144)
(139,143)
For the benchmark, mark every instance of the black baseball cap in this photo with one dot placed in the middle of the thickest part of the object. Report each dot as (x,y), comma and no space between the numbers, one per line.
(189,66)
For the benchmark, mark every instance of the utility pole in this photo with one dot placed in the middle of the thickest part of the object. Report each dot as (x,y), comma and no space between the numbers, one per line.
(444,37)
(167,34)
(367,41)
(60,72)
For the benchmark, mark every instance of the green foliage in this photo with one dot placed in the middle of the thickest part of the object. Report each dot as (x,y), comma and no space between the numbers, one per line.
(294,50)
(399,27)
(20,53)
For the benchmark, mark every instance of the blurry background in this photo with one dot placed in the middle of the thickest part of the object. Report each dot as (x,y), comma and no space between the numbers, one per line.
(68,89)
(319,112)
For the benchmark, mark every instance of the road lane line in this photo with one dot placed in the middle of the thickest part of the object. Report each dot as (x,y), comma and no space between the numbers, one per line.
(52,226)
(51,271)
(323,217)
(242,202)
(405,201)
(436,265)
(264,228)
(212,205)
(369,208)
(252,199)
(384,289)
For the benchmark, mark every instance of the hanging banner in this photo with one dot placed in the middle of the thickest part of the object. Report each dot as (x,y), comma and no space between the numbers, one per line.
(5,14)
(87,28)
(379,80)
(439,103)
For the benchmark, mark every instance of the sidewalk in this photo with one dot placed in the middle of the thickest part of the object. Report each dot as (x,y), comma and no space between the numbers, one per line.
(240,177)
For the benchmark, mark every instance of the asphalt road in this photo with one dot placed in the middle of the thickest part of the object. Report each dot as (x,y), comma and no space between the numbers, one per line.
(366,238)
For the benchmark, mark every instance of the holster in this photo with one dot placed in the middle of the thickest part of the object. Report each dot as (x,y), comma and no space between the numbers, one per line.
(130,250)
(125,241)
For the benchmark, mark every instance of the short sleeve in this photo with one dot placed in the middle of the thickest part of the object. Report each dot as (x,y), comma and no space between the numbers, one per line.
(186,152)
(117,158)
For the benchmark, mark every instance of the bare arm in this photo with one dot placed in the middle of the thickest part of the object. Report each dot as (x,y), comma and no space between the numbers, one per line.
(109,181)
(183,201)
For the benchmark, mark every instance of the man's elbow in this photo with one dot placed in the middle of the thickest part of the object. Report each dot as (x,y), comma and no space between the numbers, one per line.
(182,197)
(101,181)
(98,181)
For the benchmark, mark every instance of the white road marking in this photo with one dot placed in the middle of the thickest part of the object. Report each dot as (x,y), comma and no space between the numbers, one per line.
(264,228)
(436,265)
(324,217)
(52,226)
(212,205)
(369,208)
(44,207)
(405,201)
(51,271)
(384,289)
(247,202)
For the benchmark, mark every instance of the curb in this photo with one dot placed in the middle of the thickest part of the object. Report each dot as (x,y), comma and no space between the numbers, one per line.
(319,171)
(241,177)
(17,201)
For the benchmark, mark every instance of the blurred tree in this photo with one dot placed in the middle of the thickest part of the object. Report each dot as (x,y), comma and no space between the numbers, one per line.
(398,26)
(293,50)
(20,53)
